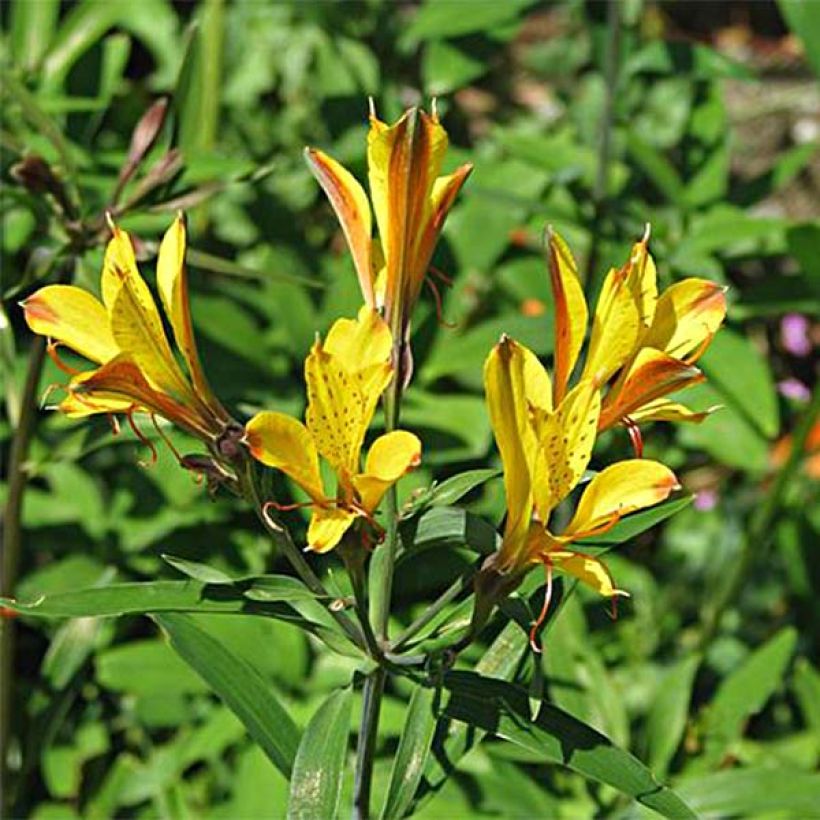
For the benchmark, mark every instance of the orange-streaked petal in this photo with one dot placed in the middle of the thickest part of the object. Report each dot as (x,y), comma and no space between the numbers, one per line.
(571,314)
(284,443)
(119,264)
(172,283)
(651,375)
(73,317)
(588,570)
(77,404)
(618,490)
(565,438)
(122,380)
(349,201)
(390,457)
(514,437)
(668,410)
(642,281)
(687,316)
(327,527)
(614,329)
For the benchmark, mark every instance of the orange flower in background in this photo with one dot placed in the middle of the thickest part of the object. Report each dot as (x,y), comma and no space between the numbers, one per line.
(346,375)
(410,200)
(648,343)
(123,336)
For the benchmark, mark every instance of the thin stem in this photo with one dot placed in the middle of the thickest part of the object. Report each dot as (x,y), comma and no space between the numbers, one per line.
(12,544)
(760,528)
(285,543)
(353,557)
(366,750)
(448,596)
(599,193)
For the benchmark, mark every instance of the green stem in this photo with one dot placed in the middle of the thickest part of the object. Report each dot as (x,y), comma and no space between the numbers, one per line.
(761,525)
(285,543)
(366,750)
(12,544)
(447,597)
(353,555)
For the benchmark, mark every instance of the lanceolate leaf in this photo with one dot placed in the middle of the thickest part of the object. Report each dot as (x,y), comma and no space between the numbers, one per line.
(414,746)
(503,709)
(634,525)
(316,785)
(239,684)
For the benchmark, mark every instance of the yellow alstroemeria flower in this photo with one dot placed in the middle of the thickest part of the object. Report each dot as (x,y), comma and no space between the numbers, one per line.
(345,377)
(650,342)
(410,201)
(123,335)
(545,451)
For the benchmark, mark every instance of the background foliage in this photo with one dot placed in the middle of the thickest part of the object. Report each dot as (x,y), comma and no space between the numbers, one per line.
(702,120)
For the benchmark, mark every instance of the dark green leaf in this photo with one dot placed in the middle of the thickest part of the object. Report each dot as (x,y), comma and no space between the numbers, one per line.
(197,571)
(634,525)
(316,785)
(240,685)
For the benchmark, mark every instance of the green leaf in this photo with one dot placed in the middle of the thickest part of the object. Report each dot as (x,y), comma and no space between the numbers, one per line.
(411,756)
(634,525)
(450,526)
(666,721)
(803,18)
(744,693)
(741,373)
(436,20)
(446,68)
(753,792)
(503,709)
(316,784)
(32,27)
(239,684)
(197,571)
(450,490)
(807,690)
(660,171)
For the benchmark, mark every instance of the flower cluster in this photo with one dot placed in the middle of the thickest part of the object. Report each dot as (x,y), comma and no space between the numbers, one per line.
(642,347)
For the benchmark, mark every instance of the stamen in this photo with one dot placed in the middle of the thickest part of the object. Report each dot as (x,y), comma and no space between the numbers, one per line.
(634,436)
(544,609)
(141,436)
(439,308)
(51,349)
(164,436)
(114,422)
(285,507)
(48,391)
(440,274)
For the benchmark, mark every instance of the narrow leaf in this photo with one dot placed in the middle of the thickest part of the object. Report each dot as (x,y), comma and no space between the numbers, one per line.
(239,684)
(316,785)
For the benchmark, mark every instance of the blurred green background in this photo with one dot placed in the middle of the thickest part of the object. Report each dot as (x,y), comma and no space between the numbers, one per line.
(701,118)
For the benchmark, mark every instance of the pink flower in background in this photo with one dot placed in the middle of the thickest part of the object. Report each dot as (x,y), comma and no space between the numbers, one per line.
(706,500)
(794,334)
(794,389)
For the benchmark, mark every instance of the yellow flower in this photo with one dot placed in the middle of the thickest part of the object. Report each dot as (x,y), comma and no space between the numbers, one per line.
(345,377)
(545,451)
(649,343)
(123,335)
(410,201)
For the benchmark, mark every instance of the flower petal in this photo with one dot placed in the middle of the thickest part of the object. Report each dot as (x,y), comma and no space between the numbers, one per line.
(390,457)
(614,329)
(618,490)
(651,375)
(284,443)
(360,343)
(687,316)
(135,320)
(668,410)
(642,281)
(73,317)
(327,526)
(509,416)
(172,283)
(537,386)
(565,439)
(571,314)
(587,570)
(349,201)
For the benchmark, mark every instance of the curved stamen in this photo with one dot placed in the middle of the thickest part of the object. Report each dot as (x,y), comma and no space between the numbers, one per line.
(143,440)
(439,308)
(164,436)
(634,436)
(544,609)
(51,349)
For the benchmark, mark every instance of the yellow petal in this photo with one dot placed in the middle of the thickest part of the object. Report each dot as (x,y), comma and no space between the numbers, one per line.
(614,329)
(650,376)
(537,386)
(360,343)
(73,317)
(509,416)
(618,490)
(390,457)
(77,404)
(642,281)
(285,443)
(135,320)
(668,410)
(172,283)
(687,316)
(588,570)
(352,209)
(571,313)
(566,438)
(327,526)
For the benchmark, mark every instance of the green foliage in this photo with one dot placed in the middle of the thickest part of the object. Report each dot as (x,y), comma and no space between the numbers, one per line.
(690,703)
